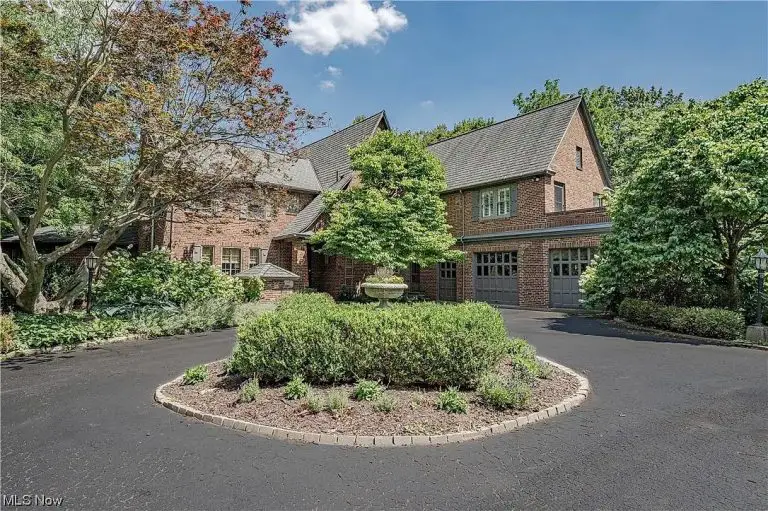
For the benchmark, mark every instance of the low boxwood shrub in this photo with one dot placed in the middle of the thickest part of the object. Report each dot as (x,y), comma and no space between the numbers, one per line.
(336,402)
(315,403)
(715,323)
(296,388)
(8,332)
(194,375)
(422,343)
(525,366)
(502,392)
(451,401)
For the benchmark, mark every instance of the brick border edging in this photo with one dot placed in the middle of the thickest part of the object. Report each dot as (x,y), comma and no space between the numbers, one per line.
(680,338)
(563,406)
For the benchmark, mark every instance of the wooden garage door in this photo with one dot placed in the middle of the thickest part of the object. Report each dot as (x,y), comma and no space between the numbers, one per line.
(566,266)
(446,282)
(495,277)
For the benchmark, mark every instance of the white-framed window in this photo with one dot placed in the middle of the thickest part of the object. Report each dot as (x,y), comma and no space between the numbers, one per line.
(206,254)
(579,158)
(503,202)
(293,204)
(254,257)
(597,200)
(230,261)
(497,202)
(559,196)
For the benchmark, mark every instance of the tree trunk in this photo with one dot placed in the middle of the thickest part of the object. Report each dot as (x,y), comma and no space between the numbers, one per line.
(731,277)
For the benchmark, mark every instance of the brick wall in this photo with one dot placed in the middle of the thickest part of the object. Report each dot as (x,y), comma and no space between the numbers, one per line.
(276,289)
(181,230)
(580,185)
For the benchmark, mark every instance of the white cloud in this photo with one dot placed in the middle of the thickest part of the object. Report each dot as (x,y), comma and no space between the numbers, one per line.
(333,71)
(427,103)
(328,85)
(323,26)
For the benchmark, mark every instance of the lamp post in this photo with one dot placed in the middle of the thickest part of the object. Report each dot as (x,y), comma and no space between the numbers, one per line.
(758,332)
(90,262)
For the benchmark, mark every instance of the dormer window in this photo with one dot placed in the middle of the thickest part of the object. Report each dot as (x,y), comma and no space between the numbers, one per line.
(579,160)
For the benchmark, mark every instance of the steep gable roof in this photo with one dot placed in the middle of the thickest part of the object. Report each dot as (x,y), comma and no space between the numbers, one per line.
(329,155)
(514,148)
(307,216)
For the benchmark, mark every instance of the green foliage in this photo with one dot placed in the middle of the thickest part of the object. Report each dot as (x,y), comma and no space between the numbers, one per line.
(451,401)
(249,391)
(154,277)
(359,118)
(336,402)
(503,392)
(421,343)
(8,332)
(695,209)
(715,323)
(385,403)
(247,310)
(392,279)
(366,390)
(396,217)
(192,317)
(194,375)
(296,388)
(253,288)
(441,131)
(45,331)
(315,403)
(525,366)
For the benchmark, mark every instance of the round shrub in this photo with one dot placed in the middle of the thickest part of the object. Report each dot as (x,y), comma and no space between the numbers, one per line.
(421,343)
(249,391)
(296,388)
(366,390)
(253,288)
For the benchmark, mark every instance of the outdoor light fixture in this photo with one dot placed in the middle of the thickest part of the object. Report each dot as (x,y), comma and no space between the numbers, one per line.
(761,260)
(91,261)
(761,264)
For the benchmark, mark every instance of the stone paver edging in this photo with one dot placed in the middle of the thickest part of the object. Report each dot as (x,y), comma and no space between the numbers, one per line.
(381,441)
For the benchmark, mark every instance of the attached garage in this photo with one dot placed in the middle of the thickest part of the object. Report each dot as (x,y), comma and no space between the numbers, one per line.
(495,277)
(446,282)
(565,267)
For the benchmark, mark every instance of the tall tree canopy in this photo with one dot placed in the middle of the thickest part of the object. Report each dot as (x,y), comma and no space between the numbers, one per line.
(441,131)
(687,221)
(622,118)
(395,216)
(113,110)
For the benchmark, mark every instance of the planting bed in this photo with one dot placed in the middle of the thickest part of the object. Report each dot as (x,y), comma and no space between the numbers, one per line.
(415,412)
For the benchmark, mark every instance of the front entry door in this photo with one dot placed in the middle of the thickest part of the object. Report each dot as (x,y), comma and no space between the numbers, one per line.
(446,282)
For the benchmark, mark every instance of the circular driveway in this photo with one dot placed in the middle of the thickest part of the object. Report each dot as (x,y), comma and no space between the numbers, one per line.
(667,425)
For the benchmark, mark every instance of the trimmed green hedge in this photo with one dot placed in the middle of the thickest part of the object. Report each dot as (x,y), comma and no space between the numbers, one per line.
(715,323)
(424,343)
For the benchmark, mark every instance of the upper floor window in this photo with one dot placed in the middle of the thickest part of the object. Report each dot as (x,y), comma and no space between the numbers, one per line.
(230,261)
(253,212)
(559,196)
(597,200)
(497,202)
(579,160)
(293,205)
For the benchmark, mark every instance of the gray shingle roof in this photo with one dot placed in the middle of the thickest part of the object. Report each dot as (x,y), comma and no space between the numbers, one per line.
(312,212)
(279,169)
(329,155)
(51,234)
(268,271)
(518,147)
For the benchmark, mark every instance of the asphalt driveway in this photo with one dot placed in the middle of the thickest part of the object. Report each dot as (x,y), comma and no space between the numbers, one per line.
(668,426)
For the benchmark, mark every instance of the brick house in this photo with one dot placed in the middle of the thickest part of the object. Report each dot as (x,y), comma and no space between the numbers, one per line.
(523,200)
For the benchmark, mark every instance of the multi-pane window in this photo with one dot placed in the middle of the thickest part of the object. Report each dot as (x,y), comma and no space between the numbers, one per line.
(559,196)
(254,257)
(206,254)
(497,202)
(571,262)
(597,200)
(349,272)
(230,261)
(293,205)
(579,160)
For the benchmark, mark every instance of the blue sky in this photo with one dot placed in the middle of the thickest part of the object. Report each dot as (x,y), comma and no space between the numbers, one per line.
(440,62)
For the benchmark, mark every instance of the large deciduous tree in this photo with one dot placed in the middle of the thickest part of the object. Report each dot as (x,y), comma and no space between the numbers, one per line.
(686,222)
(395,216)
(114,110)
(622,118)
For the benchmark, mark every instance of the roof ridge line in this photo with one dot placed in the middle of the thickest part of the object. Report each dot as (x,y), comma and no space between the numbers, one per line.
(507,120)
(379,113)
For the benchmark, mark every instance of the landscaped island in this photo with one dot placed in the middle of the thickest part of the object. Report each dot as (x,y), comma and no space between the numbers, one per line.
(318,367)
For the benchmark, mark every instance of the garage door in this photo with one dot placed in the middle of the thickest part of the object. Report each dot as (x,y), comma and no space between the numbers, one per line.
(566,266)
(495,277)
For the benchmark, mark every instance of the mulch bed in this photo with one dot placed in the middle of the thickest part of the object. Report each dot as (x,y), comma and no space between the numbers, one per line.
(415,413)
